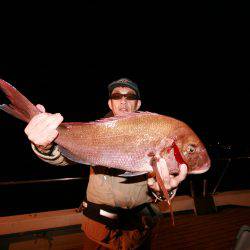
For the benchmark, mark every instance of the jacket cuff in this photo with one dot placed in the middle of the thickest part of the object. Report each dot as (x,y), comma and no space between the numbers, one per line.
(53,157)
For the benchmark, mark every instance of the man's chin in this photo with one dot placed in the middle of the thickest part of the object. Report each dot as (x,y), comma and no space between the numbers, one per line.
(123,112)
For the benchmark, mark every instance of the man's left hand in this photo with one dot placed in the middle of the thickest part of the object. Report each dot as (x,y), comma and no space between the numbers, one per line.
(171,182)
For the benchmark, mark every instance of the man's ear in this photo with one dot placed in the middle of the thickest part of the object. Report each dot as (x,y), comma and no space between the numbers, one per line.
(109,103)
(138,105)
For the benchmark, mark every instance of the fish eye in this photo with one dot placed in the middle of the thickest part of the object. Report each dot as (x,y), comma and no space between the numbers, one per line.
(191,148)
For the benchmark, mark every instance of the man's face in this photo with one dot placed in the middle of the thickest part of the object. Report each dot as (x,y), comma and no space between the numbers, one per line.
(123,105)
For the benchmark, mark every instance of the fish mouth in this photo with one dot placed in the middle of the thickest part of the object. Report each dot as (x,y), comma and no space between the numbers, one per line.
(204,168)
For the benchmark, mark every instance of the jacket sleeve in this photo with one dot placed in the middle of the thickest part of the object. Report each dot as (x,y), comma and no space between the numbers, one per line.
(54,157)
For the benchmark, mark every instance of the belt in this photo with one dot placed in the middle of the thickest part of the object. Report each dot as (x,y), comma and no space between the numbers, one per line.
(102,212)
(112,217)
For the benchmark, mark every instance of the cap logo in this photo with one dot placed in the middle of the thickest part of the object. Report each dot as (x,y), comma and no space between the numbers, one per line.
(123,81)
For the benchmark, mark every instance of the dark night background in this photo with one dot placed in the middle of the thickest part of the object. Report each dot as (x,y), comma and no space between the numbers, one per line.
(190,60)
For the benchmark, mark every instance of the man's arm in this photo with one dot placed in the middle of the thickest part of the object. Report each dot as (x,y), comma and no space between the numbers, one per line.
(42,131)
(53,157)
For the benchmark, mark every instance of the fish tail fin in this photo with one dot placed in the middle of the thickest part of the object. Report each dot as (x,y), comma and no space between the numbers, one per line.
(20,107)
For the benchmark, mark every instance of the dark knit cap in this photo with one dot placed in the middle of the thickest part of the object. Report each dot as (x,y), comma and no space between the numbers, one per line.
(123,82)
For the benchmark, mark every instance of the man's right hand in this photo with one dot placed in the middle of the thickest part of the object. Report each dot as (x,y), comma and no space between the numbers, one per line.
(41,130)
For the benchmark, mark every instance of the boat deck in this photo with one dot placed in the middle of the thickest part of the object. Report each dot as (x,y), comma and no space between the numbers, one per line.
(60,230)
(211,231)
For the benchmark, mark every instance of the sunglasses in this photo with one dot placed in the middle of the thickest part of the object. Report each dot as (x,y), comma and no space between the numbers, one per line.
(129,96)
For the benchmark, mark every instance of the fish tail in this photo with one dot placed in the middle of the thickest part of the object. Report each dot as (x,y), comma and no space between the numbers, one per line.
(20,107)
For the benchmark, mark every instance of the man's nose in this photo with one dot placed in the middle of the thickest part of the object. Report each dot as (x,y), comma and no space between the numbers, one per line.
(123,99)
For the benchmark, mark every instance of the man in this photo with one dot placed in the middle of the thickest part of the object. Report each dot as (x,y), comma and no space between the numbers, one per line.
(116,212)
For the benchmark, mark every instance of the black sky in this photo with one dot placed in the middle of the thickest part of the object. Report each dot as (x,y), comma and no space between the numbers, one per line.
(190,61)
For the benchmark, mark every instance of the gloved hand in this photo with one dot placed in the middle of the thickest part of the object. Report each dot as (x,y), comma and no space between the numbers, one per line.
(171,182)
(41,130)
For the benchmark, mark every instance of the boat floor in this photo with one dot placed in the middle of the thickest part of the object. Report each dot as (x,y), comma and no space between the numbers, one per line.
(212,231)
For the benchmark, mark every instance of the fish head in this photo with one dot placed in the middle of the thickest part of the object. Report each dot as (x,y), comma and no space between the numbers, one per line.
(193,152)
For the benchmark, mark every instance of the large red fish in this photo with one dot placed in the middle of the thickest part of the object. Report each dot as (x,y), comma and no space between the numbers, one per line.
(132,142)
(124,142)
